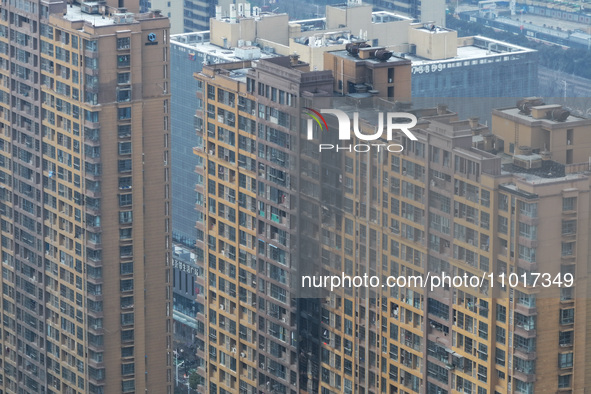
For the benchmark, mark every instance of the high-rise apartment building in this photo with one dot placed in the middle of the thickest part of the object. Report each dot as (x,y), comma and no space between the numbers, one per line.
(502,204)
(85,198)
(445,205)
(248,228)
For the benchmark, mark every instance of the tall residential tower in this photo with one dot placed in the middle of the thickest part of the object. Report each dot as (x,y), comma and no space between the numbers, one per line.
(84,120)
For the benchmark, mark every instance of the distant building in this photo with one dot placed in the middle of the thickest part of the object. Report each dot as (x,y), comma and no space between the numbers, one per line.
(421,10)
(187,289)
(186,15)
(444,65)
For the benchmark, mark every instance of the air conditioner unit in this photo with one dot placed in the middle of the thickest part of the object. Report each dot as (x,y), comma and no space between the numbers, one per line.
(222,307)
(233,350)
(262,365)
(242,354)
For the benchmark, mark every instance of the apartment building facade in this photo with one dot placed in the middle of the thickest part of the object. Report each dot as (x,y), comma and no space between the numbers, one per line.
(248,200)
(444,206)
(86,199)
(448,203)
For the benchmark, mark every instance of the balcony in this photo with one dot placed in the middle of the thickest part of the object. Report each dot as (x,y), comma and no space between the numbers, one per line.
(526,310)
(529,220)
(568,259)
(525,353)
(525,241)
(569,213)
(92,244)
(525,332)
(527,265)
(93,192)
(528,377)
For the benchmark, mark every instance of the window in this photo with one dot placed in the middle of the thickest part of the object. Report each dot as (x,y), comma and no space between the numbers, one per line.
(124,113)
(126,251)
(569,227)
(123,43)
(123,61)
(564,381)
(503,202)
(124,131)
(482,373)
(126,284)
(124,95)
(569,203)
(125,199)
(503,224)
(125,148)
(565,360)
(565,338)
(127,386)
(127,351)
(500,357)
(90,46)
(568,248)
(438,309)
(123,78)
(125,182)
(528,209)
(527,254)
(567,316)
(125,217)
(482,330)
(127,369)
(126,268)
(485,198)
(501,313)
(127,335)
(124,165)
(528,231)
(437,372)
(127,319)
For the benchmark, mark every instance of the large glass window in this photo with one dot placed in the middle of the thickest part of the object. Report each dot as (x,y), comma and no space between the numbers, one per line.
(565,360)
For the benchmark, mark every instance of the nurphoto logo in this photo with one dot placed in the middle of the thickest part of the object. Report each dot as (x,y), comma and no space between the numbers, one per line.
(392,124)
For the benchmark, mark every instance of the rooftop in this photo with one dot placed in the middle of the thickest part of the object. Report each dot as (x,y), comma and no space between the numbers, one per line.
(75,14)
(199,41)
(515,112)
(483,47)
(98,15)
